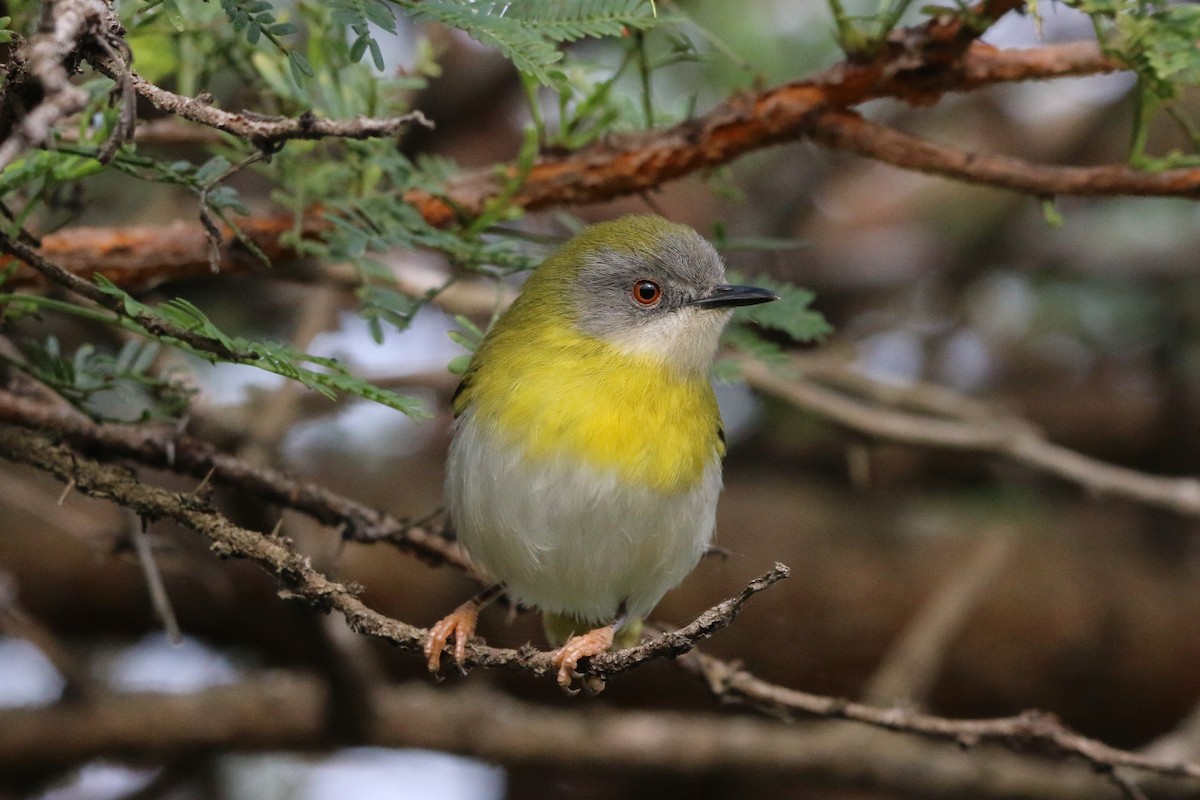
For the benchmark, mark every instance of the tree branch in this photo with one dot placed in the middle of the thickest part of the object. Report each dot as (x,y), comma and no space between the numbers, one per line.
(849,131)
(44,79)
(299,578)
(1010,440)
(262,131)
(1034,730)
(615,166)
(726,680)
(165,448)
(286,711)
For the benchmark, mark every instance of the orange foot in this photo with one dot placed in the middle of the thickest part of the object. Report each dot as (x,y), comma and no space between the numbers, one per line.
(460,624)
(592,643)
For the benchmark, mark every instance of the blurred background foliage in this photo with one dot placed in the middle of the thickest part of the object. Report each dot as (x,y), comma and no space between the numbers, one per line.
(1078,316)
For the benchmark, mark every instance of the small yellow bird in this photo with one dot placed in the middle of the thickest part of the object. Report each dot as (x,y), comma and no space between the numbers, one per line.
(586,460)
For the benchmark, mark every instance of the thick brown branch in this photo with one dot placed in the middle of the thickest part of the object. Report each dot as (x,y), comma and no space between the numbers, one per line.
(620,165)
(848,131)
(166,449)
(138,257)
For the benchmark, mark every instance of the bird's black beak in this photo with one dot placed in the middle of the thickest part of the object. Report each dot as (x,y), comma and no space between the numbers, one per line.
(731,296)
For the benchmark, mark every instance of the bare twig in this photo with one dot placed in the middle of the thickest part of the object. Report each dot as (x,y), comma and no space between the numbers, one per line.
(262,131)
(266,132)
(160,601)
(1029,730)
(166,448)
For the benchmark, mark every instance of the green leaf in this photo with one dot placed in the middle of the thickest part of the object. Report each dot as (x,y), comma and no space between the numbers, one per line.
(174,15)
(526,31)
(790,314)
(459,364)
(212,169)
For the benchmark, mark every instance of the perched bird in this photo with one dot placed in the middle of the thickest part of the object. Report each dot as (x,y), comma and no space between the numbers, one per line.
(586,457)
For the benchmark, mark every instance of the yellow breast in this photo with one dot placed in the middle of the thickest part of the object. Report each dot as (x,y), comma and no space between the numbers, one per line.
(557,392)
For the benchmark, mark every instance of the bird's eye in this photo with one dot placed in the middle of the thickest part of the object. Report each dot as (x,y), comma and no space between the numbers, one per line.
(647,293)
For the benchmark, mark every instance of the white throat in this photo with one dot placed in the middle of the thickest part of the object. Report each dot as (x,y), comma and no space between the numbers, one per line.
(686,339)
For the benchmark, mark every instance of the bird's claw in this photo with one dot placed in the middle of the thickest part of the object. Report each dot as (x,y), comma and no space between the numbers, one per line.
(459,624)
(577,648)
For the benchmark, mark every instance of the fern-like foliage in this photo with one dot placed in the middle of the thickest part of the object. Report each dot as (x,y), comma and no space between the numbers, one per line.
(85,377)
(790,318)
(327,376)
(527,31)
(255,19)
(1157,40)
(358,15)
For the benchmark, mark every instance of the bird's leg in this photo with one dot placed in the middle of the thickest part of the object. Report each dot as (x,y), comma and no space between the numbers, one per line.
(592,643)
(460,624)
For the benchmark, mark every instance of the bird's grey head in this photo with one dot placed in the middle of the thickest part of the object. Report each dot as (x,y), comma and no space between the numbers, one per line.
(654,288)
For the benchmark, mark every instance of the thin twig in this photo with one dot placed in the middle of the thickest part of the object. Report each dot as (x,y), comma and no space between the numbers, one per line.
(1029,730)
(265,132)
(160,601)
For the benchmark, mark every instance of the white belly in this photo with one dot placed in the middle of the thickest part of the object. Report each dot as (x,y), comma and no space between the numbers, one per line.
(567,538)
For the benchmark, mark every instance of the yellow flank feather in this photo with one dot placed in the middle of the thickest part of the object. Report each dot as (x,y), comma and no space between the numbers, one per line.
(559,392)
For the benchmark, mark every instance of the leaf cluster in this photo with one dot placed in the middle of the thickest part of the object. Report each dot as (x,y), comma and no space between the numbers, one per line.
(1157,39)
(311,57)
(87,376)
(528,32)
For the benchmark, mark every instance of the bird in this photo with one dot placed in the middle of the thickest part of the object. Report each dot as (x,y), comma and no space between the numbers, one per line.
(585,457)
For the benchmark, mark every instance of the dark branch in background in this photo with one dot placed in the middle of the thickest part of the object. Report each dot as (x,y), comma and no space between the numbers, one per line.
(286,711)
(908,672)
(79,683)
